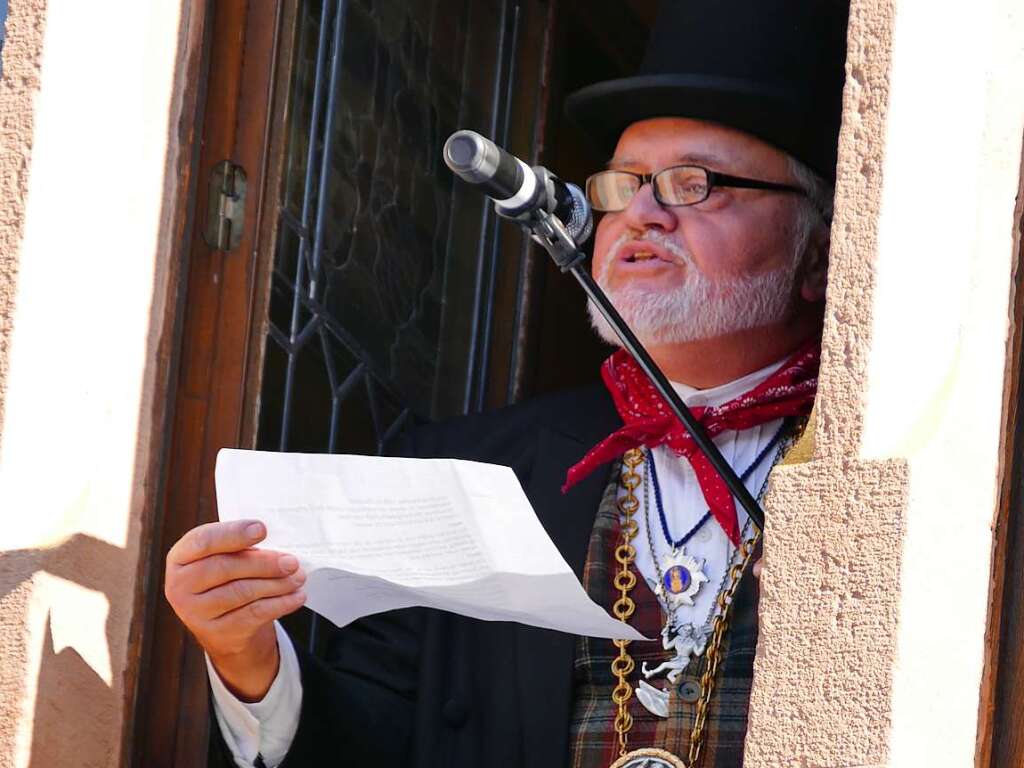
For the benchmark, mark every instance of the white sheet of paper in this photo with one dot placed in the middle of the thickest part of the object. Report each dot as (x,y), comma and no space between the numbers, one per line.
(374,534)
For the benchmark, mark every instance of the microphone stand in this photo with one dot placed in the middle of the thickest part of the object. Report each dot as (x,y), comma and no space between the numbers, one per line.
(548,230)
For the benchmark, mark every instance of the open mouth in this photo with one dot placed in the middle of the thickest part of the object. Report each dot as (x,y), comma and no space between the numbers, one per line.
(640,252)
(639,256)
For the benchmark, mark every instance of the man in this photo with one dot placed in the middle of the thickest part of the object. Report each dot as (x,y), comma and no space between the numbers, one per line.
(713,245)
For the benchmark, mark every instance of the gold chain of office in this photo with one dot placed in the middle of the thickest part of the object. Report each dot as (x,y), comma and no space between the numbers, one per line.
(624,607)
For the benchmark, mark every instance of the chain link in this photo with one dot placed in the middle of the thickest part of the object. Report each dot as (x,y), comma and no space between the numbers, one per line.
(624,607)
(713,654)
(624,581)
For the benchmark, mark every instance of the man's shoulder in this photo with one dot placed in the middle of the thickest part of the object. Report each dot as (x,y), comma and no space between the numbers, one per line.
(586,414)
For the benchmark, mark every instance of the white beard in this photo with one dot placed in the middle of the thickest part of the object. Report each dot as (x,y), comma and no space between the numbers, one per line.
(699,308)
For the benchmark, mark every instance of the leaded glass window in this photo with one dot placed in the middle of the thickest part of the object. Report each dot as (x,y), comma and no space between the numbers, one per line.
(379,298)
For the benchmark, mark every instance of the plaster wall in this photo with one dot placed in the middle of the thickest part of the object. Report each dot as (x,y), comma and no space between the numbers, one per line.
(22,57)
(877,553)
(87,108)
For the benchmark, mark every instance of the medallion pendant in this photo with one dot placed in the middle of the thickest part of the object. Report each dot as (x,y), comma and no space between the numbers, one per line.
(649,758)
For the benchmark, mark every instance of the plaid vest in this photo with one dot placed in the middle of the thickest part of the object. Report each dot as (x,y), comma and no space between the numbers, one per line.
(593,743)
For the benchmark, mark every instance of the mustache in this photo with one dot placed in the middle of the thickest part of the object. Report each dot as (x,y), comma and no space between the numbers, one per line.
(651,236)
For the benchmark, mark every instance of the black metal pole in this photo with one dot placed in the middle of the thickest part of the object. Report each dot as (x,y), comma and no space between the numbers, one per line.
(549,232)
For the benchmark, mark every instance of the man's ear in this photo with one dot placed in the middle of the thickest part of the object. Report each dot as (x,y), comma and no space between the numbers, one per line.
(814,276)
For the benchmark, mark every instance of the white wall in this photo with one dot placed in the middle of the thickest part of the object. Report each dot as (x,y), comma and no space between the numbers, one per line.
(936,371)
(88,312)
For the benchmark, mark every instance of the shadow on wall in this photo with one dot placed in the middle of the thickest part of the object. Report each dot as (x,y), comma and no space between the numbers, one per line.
(74,705)
(67,610)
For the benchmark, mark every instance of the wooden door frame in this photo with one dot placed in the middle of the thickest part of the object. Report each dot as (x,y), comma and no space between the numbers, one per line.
(1002,686)
(235,70)
(237,74)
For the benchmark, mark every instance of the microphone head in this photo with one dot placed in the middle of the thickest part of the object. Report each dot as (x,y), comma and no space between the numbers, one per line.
(471,156)
(580,221)
(462,150)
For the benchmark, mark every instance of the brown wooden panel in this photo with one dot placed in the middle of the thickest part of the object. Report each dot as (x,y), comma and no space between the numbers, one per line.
(1000,741)
(173,719)
(515,296)
(266,224)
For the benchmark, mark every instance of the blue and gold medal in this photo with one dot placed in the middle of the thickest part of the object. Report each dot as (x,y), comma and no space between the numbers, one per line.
(681,578)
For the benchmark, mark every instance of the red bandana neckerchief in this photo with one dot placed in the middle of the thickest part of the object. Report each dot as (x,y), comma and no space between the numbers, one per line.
(649,421)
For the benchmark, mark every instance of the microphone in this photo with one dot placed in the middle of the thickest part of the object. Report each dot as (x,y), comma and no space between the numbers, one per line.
(517,189)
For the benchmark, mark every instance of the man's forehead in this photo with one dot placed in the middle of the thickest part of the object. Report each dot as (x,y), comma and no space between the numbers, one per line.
(710,159)
(658,142)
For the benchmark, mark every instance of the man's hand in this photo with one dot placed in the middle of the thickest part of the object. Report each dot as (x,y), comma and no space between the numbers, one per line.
(229,594)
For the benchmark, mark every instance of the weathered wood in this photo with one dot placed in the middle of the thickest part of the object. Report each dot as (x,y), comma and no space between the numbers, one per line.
(266,224)
(1000,741)
(515,300)
(173,718)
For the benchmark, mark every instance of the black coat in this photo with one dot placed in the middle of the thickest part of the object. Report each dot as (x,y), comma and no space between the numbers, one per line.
(425,688)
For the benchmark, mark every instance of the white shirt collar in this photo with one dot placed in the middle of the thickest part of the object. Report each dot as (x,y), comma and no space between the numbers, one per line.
(723,393)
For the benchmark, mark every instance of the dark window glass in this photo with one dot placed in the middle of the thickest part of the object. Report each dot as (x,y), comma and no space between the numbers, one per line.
(378,300)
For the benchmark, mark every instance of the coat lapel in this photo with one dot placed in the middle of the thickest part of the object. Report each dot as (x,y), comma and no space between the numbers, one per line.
(545,658)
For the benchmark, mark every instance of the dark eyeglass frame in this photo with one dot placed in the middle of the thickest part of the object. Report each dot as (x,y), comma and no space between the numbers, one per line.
(715,179)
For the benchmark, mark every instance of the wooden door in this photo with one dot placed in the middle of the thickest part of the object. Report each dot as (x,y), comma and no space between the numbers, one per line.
(364,290)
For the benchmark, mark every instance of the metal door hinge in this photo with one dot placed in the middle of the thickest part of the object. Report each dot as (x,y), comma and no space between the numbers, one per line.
(225,218)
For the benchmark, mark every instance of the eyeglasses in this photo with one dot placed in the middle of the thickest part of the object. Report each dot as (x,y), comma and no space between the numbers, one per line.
(610,191)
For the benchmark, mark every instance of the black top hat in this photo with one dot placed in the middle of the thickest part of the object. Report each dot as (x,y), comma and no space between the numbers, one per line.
(771,68)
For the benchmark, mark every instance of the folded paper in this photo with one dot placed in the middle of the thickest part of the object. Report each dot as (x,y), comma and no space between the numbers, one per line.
(374,534)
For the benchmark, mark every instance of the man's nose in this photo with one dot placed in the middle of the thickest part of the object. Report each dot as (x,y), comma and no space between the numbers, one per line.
(644,211)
